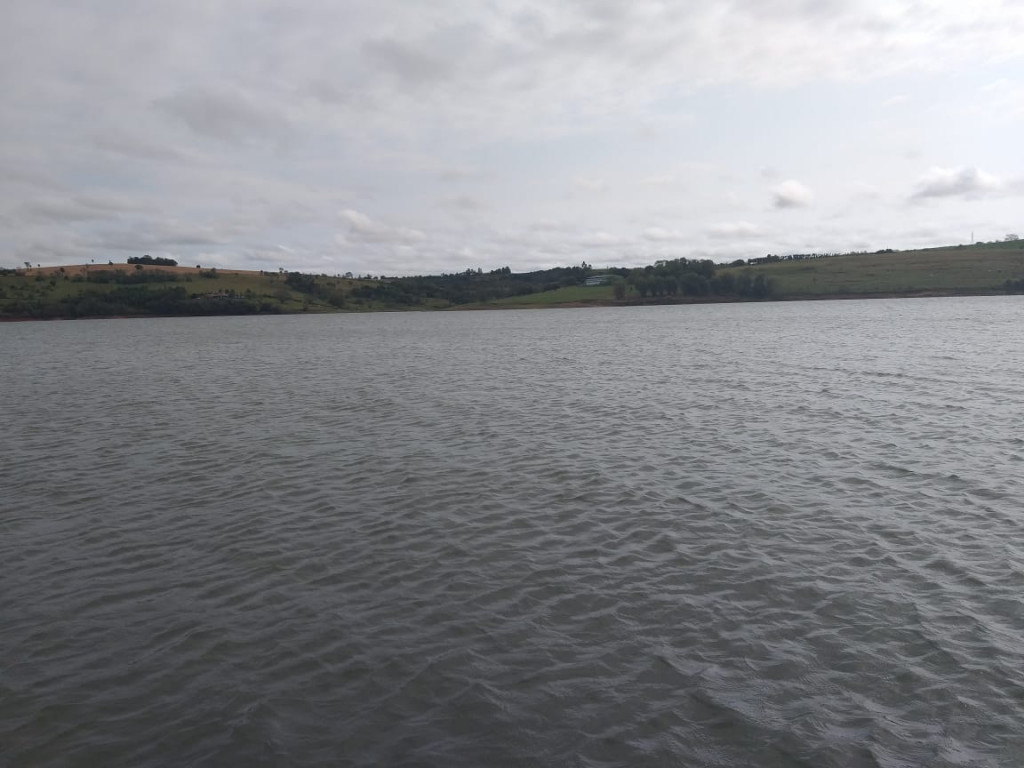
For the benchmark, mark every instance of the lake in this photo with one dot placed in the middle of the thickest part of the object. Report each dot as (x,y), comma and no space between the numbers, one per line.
(779,534)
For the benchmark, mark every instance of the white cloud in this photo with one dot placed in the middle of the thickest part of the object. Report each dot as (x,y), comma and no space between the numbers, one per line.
(791,194)
(590,184)
(462,173)
(226,129)
(600,239)
(897,100)
(368,230)
(1005,98)
(551,225)
(734,230)
(660,234)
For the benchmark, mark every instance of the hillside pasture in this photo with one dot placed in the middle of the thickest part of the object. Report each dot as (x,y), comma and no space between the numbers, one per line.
(963,269)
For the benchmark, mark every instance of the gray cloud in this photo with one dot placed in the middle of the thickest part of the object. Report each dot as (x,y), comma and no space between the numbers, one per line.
(791,194)
(463,203)
(733,230)
(463,173)
(601,239)
(78,208)
(138,147)
(160,237)
(223,115)
(229,129)
(956,182)
(660,234)
(409,64)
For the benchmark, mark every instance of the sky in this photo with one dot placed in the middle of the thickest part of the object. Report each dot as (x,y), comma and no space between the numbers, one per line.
(400,137)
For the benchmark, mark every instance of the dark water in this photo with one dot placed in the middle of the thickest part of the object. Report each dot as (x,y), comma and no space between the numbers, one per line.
(740,535)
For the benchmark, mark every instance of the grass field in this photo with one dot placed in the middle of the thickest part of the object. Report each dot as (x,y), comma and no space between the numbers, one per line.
(958,269)
(982,268)
(975,269)
(574,294)
(51,284)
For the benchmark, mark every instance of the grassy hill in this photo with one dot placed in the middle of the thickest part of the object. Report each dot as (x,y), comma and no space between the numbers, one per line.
(980,269)
(135,290)
(570,296)
(104,290)
(964,269)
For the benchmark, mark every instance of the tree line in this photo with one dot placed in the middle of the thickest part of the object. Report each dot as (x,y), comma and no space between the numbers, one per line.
(665,280)
(692,278)
(469,287)
(134,300)
(157,261)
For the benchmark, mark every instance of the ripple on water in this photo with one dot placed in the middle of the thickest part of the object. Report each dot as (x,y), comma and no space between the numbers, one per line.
(769,535)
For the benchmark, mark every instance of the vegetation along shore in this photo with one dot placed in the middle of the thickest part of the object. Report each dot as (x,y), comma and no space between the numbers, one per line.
(148,286)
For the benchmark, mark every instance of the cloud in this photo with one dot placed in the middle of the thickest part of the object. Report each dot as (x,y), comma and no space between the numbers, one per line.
(245,124)
(970,183)
(406,62)
(733,230)
(161,236)
(600,239)
(223,115)
(897,100)
(79,208)
(791,194)
(462,173)
(123,143)
(660,234)
(590,184)
(365,229)
(1004,97)
(550,225)
(462,203)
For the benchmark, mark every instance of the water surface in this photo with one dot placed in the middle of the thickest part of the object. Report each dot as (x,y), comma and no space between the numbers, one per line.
(784,534)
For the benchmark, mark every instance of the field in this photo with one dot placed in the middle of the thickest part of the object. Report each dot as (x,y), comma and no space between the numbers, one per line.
(978,269)
(974,269)
(48,286)
(573,295)
(98,290)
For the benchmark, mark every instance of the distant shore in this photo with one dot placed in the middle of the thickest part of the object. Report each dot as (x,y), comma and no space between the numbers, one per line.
(171,290)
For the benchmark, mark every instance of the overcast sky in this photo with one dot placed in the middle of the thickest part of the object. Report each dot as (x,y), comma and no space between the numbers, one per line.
(400,137)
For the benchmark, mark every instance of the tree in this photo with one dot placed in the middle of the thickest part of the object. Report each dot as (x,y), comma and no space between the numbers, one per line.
(1011,238)
(151,260)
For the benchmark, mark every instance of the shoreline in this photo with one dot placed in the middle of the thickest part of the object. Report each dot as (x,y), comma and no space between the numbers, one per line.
(596,304)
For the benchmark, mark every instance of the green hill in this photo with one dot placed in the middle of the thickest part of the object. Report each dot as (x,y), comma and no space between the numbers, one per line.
(135,290)
(964,269)
(114,290)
